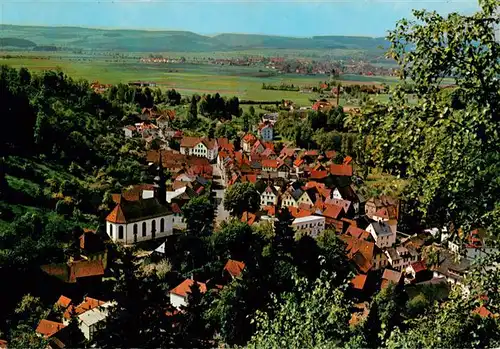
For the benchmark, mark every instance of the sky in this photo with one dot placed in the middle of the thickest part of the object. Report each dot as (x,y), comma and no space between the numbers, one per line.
(275,17)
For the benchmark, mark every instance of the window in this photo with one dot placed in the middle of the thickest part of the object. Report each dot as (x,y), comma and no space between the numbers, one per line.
(153,226)
(111,230)
(135,230)
(120,232)
(162,225)
(143,228)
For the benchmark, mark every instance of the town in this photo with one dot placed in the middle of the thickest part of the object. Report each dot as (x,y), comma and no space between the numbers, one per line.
(167,189)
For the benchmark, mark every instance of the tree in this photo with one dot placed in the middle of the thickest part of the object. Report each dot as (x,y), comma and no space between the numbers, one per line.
(241,197)
(251,110)
(199,215)
(233,240)
(385,315)
(316,315)
(445,145)
(193,111)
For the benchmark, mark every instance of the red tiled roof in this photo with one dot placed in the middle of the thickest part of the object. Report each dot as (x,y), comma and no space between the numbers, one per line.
(185,287)
(249,138)
(331,154)
(318,174)
(63,302)
(130,127)
(358,233)
(189,142)
(347,160)
(248,217)
(234,268)
(483,312)
(87,304)
(270,163)
(359,281)
(298,162)
(250,178)
(271,210)
(224,143)
(332,211)
(116,216)
(418,266)
(390,276)
(311,153)
(359,251)
(341,170)
(3,344)
(175,208)
(49,328)
(85,268)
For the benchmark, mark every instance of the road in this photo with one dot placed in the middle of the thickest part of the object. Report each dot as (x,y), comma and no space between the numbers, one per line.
(220,213)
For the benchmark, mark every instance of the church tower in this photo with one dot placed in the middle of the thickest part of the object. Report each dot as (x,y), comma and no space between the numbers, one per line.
(160,183)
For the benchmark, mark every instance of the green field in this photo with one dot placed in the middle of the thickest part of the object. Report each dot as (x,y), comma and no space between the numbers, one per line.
(243,82)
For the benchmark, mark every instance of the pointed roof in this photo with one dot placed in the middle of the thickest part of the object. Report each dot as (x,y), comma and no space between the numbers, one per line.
(63,301)
(185,287)
(49,328)
(341,170)
(234,268)
(117,215)
(132,211)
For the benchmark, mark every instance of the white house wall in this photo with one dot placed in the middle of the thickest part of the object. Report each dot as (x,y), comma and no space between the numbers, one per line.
(128,230)
(177,301)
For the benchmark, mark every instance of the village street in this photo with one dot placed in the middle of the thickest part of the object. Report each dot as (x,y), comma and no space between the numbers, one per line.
(221,214)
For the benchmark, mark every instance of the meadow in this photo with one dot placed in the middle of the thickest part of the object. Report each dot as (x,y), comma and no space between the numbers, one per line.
(243,82)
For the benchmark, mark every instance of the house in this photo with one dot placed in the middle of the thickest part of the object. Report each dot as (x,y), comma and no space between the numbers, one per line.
(163,121)
(382,234)
(179,221)
(383,208)
(417,272)
(453,268)
(291,197)
(321,105)
(391,276)
(93,320)
(134,221)
(365,254)
(74,271)
(202,147)
(401,257)
(270,117)
(311,225)
(266,131)
(340,170)
(146,129)
(269,196)
(247,142)
(129,131)
(179,294)
(359,233)
(47,328)
(91,314)
(233,268)
(277,167)
(225,144)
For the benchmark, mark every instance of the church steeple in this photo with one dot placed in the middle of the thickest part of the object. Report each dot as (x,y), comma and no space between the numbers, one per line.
(160,183)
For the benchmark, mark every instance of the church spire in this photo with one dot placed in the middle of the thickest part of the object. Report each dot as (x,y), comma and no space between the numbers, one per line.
(160,182)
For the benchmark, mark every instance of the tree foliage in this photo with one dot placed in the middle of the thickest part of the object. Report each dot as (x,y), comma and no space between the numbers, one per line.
(241,197)
(446,145)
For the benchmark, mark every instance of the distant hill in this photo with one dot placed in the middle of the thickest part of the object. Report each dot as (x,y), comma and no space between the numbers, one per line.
(28,37)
